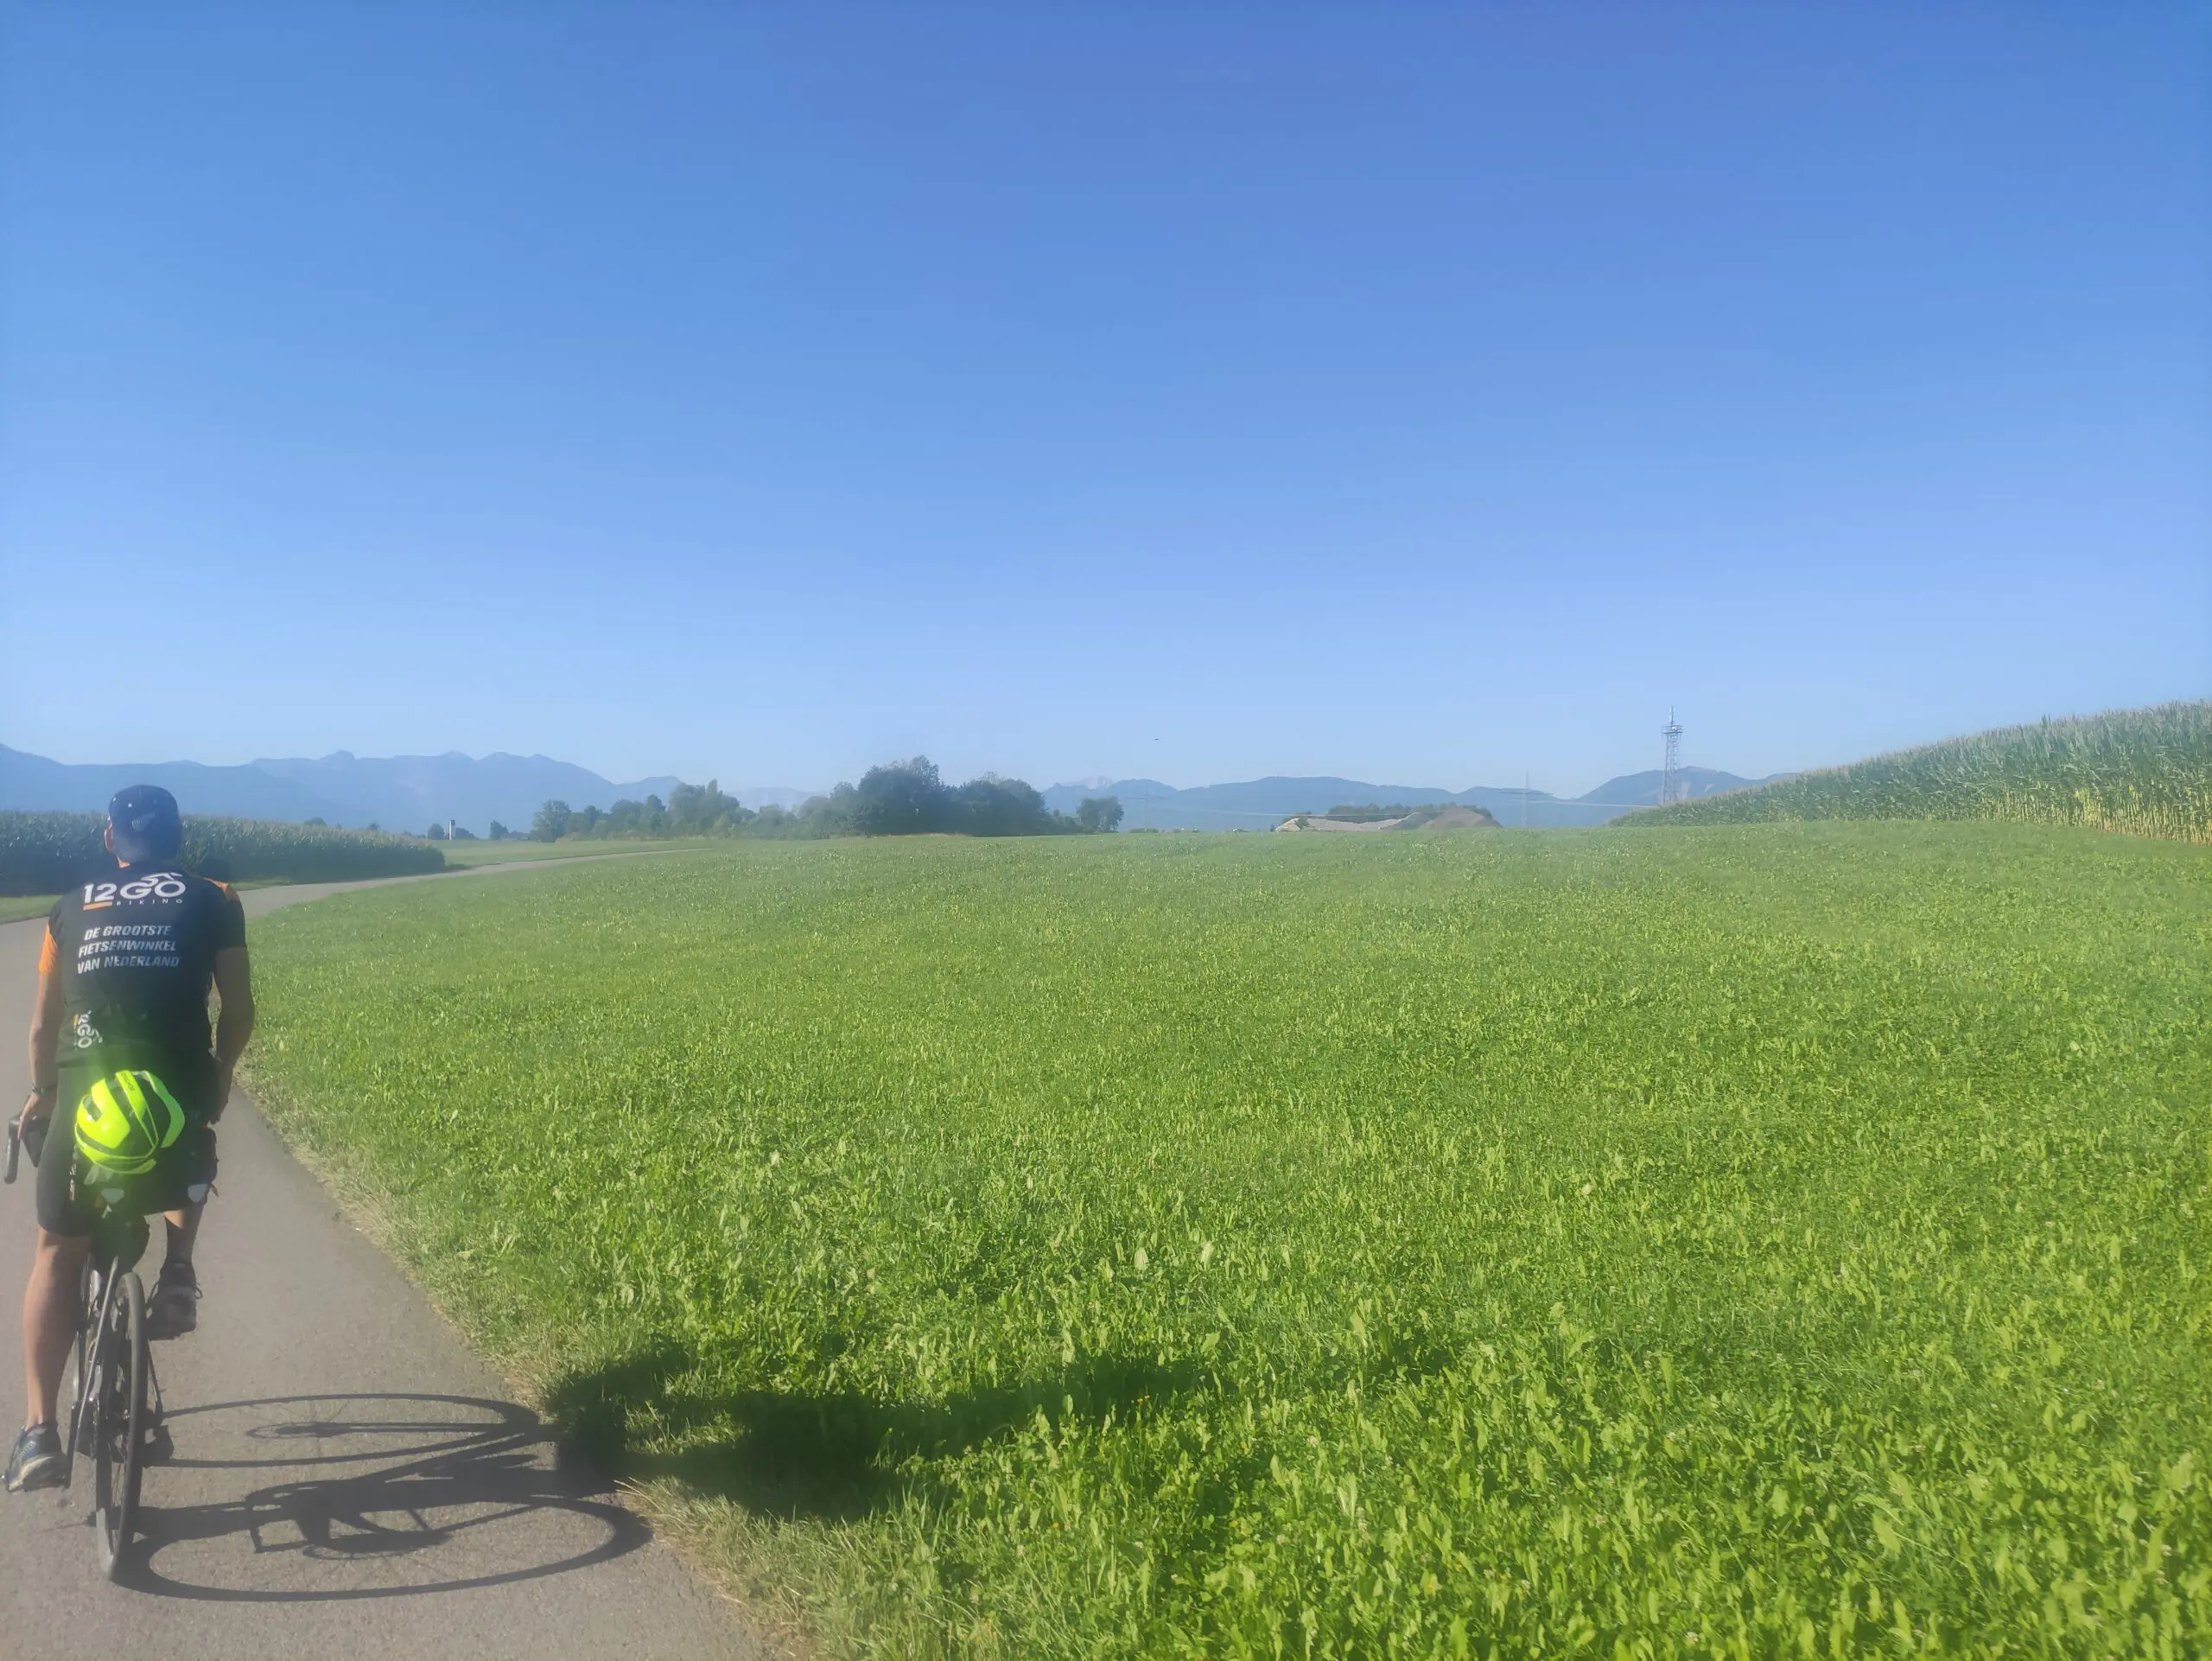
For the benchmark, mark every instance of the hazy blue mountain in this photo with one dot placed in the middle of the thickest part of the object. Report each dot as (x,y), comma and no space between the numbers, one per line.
(759,796)
(1641,789)
(35,783)
(406,793)
(1262,803)
(1536,808)
(401,792)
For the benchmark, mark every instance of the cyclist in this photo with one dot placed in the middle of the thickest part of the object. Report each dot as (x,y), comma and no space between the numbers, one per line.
(123,980)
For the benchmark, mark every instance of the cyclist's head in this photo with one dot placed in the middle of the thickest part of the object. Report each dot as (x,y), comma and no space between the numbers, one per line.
(144,824)
(124,1120)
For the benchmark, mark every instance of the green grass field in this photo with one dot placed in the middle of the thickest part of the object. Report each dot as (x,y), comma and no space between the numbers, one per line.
(1748,1241)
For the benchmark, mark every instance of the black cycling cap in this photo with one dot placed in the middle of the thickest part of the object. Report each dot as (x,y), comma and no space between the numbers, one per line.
(146,823)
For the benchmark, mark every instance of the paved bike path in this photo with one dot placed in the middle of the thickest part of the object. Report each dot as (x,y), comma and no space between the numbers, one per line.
(348,1479)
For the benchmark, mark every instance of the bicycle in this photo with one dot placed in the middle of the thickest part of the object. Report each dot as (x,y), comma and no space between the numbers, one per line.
(115,1413)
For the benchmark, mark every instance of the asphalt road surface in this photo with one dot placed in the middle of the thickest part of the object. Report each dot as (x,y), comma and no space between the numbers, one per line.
(348,1479)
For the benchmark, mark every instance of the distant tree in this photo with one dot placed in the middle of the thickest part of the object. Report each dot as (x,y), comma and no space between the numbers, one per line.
(992,806)
(463,833)
(905,798)
(498,832)
(316,820)
(373,825)
(552,823)
(910,798)
(836,814)
(817,816)
(703,811)
(1096,814)
(436,832)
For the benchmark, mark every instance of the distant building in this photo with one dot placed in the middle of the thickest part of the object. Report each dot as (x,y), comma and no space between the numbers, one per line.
(1453,816)
(1322,822)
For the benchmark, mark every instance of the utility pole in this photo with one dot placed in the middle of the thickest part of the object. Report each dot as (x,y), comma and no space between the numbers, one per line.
(1670,776)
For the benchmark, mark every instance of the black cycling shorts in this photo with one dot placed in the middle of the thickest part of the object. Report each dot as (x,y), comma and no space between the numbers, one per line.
(187,1163)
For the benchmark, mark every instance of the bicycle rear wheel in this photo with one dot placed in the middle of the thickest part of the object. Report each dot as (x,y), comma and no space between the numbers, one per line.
(118,1393)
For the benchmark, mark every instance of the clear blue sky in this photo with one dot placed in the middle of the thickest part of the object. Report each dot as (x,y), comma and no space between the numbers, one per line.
(1424,393)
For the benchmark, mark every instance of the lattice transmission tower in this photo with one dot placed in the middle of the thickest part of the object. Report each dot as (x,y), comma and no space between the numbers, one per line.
(1671,788)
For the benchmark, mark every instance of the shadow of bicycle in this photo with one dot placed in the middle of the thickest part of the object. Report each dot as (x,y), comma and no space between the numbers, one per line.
(403,1496)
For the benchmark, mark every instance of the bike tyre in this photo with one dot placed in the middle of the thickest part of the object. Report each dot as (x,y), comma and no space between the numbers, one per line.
(119,1421)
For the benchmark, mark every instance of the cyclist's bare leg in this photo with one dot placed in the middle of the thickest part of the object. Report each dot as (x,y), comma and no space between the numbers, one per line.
(184,1229)
(50,1319)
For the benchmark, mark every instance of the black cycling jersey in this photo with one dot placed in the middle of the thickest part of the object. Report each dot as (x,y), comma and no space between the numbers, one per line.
(135,956)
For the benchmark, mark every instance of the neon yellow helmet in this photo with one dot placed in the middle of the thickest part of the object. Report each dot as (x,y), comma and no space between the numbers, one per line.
(126,1119)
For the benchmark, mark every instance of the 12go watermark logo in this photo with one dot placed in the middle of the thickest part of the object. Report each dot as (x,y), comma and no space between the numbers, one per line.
(163,885)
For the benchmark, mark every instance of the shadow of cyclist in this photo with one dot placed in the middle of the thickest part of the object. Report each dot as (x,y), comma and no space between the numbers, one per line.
(436,1477)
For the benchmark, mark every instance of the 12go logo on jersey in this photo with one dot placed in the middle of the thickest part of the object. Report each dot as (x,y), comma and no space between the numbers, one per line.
(161,885)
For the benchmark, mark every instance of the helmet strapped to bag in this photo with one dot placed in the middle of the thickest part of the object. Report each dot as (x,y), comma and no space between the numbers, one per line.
(125,1120)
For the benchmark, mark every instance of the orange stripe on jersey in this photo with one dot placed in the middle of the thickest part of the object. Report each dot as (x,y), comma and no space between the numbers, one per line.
(50,954)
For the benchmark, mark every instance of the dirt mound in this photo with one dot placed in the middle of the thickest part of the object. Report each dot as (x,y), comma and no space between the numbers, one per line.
(1456,816)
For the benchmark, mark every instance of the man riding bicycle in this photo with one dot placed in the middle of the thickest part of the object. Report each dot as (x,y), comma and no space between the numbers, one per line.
(119,1038)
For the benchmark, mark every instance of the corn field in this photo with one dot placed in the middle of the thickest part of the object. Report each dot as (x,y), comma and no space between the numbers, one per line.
(45,853)
(2145,772)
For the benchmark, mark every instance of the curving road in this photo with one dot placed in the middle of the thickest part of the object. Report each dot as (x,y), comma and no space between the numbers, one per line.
(348,1479)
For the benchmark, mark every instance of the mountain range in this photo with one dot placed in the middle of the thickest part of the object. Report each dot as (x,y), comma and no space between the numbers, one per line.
(400,793)
(410,793)
(1262,803)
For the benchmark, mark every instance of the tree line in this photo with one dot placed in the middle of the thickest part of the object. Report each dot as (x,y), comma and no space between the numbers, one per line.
(903,798)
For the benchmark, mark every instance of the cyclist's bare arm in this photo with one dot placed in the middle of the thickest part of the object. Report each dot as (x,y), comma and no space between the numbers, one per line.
(46,1039)
(234,1026)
